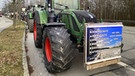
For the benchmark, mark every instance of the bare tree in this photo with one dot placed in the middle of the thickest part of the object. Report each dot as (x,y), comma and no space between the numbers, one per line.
(113,9)
(14,19)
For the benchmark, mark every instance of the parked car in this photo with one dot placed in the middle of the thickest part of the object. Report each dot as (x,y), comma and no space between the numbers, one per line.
(0,14)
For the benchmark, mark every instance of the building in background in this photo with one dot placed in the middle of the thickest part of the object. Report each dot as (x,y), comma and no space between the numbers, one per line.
(0,13)
(33,2)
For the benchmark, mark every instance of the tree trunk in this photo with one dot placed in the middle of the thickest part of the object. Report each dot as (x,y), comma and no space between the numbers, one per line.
(14,20)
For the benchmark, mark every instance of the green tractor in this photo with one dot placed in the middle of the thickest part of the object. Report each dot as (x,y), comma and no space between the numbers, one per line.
(59,25)
(29,20)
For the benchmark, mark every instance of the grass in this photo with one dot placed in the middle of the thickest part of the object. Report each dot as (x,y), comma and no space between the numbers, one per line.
(11,50)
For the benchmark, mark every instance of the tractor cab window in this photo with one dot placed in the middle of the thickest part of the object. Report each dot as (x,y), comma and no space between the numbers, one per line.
(71,4)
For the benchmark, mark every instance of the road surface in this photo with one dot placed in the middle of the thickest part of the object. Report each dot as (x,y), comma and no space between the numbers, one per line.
(5,23)
(124,68)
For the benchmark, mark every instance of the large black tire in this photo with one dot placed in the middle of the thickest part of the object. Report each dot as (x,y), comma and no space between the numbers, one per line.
(37,35)
(30,25)
(57,49)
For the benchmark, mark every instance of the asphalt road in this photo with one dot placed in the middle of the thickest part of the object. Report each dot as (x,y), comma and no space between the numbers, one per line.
(124,68)
(5,23)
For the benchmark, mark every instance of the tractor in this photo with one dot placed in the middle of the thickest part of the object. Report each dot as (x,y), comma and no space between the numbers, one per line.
(60,24)
(29,18)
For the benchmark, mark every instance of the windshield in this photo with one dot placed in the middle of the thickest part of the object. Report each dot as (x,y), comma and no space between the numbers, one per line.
(72,4)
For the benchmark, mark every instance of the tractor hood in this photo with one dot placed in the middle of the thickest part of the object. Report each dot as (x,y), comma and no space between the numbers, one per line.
(81,14)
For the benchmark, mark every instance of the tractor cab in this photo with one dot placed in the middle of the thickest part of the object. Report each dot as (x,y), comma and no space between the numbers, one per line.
(68,12)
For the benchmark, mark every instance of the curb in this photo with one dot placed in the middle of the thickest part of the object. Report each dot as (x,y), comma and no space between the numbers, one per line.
(24,58)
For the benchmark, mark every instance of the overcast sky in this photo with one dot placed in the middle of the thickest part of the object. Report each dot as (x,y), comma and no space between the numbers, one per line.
(2,3)
(27,2)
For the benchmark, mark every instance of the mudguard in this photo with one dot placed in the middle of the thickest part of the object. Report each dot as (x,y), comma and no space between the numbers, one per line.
(54,24)
(41,17)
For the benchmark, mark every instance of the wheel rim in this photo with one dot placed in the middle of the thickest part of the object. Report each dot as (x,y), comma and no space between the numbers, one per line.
(48,50)
(35,31)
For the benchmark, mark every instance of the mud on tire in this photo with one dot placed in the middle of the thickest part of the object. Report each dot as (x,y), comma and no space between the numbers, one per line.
(60,57)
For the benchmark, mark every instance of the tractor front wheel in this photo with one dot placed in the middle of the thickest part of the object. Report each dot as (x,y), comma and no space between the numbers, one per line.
(57,49)
(37,35)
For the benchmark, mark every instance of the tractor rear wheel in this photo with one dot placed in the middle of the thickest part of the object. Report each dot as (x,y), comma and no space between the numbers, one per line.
(37,35)
(57,49)
(30,25)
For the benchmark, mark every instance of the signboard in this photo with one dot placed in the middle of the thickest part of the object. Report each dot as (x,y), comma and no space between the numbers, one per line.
(102,42)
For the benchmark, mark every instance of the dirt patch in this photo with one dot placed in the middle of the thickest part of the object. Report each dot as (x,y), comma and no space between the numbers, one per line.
(26,49)
(30,68)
